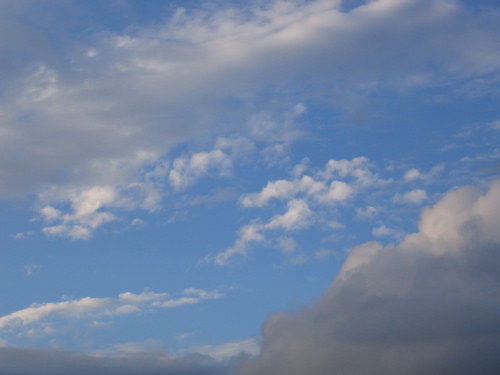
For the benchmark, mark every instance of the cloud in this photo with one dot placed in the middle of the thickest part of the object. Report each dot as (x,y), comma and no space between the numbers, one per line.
(298,216)
(417,196)
(324,186)
(427,305)
(82,115)
(192,296)
(186,170)
(229,350)
(59,362)
(88,306)
(308,195)
(384,231)
(414,174)
(92,308)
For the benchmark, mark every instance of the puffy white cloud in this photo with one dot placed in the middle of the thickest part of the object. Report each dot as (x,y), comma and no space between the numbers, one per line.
(85,216)
(323,187)
(414,174)
(426,305)
(296,217)
(186,170)
(307,199)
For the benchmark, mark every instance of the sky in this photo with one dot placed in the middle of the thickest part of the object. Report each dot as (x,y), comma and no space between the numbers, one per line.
(240,188)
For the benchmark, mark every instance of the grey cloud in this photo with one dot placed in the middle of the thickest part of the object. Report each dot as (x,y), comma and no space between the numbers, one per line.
(426,306)
(69,116)
(15,361)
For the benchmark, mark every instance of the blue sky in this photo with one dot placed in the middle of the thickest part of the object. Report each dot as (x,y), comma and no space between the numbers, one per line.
(249,187)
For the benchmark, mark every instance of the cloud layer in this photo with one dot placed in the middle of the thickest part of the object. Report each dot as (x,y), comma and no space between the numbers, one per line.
(109,112)
(427,305)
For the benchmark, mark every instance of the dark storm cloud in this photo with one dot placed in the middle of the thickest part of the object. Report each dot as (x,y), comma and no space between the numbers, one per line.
(427,306)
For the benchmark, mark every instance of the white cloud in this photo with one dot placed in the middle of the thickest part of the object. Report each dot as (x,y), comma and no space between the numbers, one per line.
(199,295)
(414,174)
(91,308)
(86,214)
(186,170)
(382,231)
(416,196)
(324,187)
(297,216)
(103,116)
(206,59)
(338,191)
(247,235)
(308,199)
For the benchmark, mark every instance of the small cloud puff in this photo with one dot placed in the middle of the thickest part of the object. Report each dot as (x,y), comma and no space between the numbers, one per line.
(416,196)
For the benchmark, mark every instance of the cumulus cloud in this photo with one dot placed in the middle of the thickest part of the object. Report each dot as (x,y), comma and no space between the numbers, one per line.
(186,170)
(119,102)
(427,305)
(324,186)
(308,194)
(414,174)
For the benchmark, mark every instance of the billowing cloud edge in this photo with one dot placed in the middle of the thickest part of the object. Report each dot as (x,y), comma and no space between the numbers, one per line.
(426,305)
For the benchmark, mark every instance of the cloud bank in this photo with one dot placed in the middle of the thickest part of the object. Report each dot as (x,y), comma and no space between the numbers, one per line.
(55,362)
(426,306)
